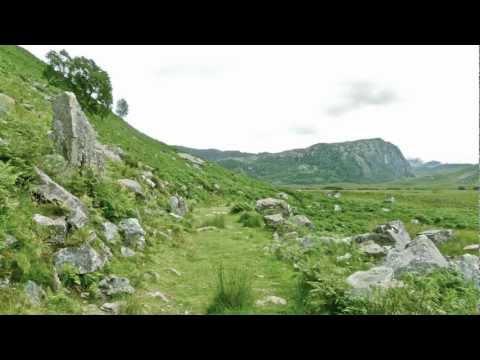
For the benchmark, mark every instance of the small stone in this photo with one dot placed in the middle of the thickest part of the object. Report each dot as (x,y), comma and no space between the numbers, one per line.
(272,300)
(415,221)
(345,257)
(127,252)
(176,272)
(113,285)
(178,205)
(112,308)
(132,186)
(337,208)
(472,247)
(385,210)
(35,293)
(363,282)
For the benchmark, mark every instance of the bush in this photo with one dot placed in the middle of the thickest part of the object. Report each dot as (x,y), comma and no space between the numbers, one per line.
(114,203)
(233,291)
(251,219)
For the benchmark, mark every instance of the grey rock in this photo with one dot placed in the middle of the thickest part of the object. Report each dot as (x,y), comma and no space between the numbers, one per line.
(127,252)
(385,210)
(269,206)
(113,285)
(158,295)
(7,104)
(50,191)
(415,221)
(274,220)
(109,152)
(83,259)
(282,195)
(394,232)
(131,185)
(73,135)
(112,308)
(363,282)
(10,240)
(306,242)
(372,248)
(133,233)
(110,232)
(337,208)
(344,257)
(438,236)
(420,256)
(271,300)
(301,220)
(469,266)
(472,247)
(178,205)
(35,294)
(58,226)
(193,159)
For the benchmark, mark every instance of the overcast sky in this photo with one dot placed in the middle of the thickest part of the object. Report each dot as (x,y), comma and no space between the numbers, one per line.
(272,98)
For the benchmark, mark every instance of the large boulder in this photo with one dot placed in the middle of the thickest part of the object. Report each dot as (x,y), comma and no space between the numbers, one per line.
(6,104)
(178,205)
(363,282)
(469,266)
(58,226)
(73,135)
(438,236)
(113,285)
(131,185)
(50,191)
(83,259)
(301,220)
(269,206)
(133,233)
(420,256)
(395,233)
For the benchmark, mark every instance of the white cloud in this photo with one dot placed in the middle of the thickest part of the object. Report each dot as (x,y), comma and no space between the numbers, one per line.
(267,98)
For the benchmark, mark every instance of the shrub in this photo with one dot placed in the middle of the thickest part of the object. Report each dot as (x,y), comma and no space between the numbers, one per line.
(114,203)
(251,219)
(233,291)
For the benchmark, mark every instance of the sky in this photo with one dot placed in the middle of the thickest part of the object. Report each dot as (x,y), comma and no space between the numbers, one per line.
(424,99)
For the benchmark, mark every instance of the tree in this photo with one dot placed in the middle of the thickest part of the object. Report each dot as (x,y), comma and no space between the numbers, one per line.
(83,77)
(122,108)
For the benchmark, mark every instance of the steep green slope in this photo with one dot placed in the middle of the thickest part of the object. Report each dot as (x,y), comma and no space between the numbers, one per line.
(362,161)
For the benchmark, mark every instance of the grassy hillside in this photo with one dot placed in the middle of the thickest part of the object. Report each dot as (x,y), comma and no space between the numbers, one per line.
(180,270)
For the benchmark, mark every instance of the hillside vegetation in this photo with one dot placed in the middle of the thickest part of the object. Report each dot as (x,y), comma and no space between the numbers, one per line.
(196,238)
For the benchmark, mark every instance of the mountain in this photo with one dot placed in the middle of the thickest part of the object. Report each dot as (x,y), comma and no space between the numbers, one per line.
(361,161)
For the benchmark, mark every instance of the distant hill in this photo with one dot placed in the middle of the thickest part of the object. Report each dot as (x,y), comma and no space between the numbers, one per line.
(361,161)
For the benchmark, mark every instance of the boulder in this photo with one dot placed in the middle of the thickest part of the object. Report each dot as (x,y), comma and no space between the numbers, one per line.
(420,256)
(34,292)
(372,248)
(438,236)
(84,259)
(469,266)
(113,285)
(363,282)
(50,191)
(301,220)
(271,300)
(395,233)
(131,185)
(269,206)
(133,233)
(178,205)
(274,220)
(73,135)
(7,104)
(110,232)
(193,159)
(58,227)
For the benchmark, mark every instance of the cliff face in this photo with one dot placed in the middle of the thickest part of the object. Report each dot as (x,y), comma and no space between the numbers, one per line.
(363,161)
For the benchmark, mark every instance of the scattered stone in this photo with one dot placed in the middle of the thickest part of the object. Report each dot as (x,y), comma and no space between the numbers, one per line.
(363,282)
(133,233)
(207,228)
(270,206)
(415,221)
(345,257)
(176,272)
(301,220)
(73,135)
(113,285)
(83,259)
(6,104)
(472,247)
(274,220)
(58,227)
(216,187)
(127,252)
(271,300)
(191,158)
(385,210)
(178,217)
(112,308)
(469,266)
(132,186)
(110,232)
(438,236)
(372,248)
(52,192)
(178,205)
(420,256)
(158,294)
(337,208)
(394,232)
(337,195)
(35,293)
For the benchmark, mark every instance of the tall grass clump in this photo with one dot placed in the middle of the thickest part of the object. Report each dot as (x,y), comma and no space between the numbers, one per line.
(233,292)
(251,219)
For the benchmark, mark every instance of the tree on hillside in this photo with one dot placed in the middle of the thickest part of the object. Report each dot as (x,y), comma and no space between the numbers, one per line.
(83,77)
(122,108)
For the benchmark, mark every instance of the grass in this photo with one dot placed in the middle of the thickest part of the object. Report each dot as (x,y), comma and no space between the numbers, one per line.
(217,221)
